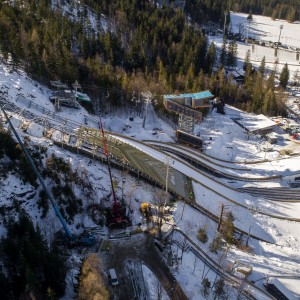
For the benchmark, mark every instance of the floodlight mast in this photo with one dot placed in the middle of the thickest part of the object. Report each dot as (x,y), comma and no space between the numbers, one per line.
(115,206)
(276,49)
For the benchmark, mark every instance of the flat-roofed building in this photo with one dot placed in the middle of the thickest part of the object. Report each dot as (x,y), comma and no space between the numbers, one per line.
(255,124)
(194,100)
(187,106)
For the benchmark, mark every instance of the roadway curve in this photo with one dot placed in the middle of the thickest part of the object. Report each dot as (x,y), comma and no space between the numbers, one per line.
(212,184)
(211,167)
(223,170)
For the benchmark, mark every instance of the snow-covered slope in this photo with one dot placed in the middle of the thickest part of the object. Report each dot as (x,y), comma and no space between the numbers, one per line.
(220,133)
(264,29)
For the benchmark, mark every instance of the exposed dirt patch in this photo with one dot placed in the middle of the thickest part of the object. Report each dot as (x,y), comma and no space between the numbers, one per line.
(139,247)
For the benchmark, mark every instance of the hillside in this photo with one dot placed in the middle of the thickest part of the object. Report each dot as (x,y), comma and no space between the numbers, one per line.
(116,50)
(211,224)
(93,185)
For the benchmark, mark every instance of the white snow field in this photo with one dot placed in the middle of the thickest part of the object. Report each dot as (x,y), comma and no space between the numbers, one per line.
(264,29)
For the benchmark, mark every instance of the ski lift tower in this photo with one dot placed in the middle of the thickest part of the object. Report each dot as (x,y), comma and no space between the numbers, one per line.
(58,86)
(76,86)
(63,96)
(187,107)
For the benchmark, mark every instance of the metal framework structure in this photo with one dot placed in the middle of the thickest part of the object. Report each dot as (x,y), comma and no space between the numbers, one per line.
(186,106)
(186,123)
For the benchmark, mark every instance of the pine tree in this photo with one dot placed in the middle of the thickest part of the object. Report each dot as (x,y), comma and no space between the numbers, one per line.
(219,290)
(284,76)
(274,14)
(201,81)
(228,228)
(25,249)
(211,58)
(291,18)
(269,107)
(212,84)
(262,67)
(161,72)
(247,60)
(221,76)
(190,77)
(249,80)
(232,54)
(270,82)
(257,92)
(205,289)
(250,17)
(223,54)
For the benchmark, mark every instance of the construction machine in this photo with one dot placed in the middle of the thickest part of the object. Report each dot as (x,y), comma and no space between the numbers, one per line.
(69,237)
(117,215)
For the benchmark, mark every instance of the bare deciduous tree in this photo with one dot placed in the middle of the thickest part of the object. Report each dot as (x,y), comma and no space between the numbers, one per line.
(91,283)
(161,198)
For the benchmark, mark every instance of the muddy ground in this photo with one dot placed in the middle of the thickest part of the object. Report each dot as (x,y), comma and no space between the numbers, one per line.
(139,247)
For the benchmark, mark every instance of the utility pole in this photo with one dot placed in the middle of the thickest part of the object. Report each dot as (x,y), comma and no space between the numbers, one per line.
(168,160)
(276,48)
(224,30)
(146,112)
(220,217)
(123,181)
(248,236)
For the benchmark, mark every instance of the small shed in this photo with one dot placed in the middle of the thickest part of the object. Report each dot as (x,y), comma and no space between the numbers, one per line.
(241,269)
(271,138)
(58,85)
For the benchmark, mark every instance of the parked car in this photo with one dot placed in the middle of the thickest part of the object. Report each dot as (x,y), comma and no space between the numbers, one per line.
(113,279)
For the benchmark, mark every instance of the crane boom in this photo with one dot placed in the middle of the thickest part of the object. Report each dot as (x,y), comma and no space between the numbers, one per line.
(108,164)
(69,234)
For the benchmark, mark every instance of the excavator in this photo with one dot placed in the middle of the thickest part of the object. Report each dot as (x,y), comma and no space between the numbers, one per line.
(69,238)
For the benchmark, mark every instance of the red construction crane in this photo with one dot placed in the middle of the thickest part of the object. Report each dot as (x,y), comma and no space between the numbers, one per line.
(116,210)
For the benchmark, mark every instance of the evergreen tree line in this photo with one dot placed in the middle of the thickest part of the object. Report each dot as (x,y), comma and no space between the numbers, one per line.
(49,44)
(144,49)
(56,170)
(202,11)
(258,93)
(29,270)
